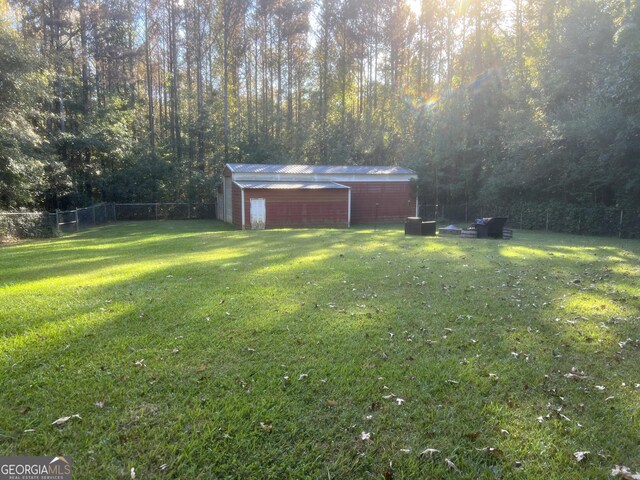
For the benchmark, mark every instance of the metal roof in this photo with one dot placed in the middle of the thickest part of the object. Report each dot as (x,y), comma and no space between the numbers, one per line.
(318,169)
(291,185)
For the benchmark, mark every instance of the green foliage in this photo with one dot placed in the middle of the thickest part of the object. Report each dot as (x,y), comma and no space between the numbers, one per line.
(125,101)
(27,225)
(25,168)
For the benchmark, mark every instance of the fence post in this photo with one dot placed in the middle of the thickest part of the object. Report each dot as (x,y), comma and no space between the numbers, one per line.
(94,215)
(156,211)
(114,212)
(579,220)
(77,222)
(620,225)
(546,227)
(189,211)
(58,221)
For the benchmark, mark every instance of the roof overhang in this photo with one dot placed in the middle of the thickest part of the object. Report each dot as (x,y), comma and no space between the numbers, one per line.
(290,185)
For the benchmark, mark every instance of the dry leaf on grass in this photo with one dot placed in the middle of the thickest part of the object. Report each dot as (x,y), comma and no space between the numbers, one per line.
(452,465)
(496,452)
(364,436)
(575,374)
(266,426)
(63,420)
(624,472)
(428,452)
(580,456)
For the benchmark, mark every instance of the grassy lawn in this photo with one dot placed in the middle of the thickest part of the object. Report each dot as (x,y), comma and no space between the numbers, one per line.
(190,350)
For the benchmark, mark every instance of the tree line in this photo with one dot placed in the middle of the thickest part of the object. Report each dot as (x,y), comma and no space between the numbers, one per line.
(490,101)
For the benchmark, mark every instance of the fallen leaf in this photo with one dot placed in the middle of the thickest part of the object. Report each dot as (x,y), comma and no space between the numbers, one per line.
(624,472)
(202,367)
(303,375)
(428,452)
(452,465)
(400,401)
(63,420)
(496,452)
(580,456)
(140,363)
(332,403)
(575,374)
(266,426)
(364,436)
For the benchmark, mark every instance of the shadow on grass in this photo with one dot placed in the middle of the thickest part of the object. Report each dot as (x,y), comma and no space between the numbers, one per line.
(464,333)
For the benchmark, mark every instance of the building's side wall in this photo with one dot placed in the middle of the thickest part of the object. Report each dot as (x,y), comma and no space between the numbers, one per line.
(381,202)
(301,208)
(236,205)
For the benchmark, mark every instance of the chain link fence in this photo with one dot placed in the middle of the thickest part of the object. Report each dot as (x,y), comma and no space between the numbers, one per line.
(19,225)
(554,217)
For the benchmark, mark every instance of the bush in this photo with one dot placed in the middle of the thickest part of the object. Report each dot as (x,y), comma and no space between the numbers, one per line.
(26,225)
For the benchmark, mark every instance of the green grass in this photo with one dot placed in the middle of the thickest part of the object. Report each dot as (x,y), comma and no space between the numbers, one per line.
(267,354)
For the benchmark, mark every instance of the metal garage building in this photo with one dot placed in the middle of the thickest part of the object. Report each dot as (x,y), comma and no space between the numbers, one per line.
(256,196)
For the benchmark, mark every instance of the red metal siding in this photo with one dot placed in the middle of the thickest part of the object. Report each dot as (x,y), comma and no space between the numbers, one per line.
(236,206)
(300,208)
(381,202)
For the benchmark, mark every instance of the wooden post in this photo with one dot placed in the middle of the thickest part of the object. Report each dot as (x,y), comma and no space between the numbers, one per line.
(189,211)
(114,212)
(156,211)
(620,225)
(58,221)
(77,222)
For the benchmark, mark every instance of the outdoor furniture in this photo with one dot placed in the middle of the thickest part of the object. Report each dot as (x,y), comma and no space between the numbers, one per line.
(416,226)
(490,227)
(450,230)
